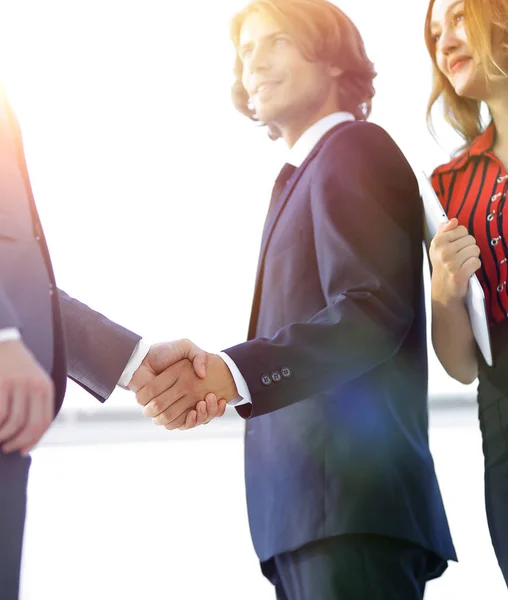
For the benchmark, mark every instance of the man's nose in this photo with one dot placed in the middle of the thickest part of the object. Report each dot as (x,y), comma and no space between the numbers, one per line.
(260,59)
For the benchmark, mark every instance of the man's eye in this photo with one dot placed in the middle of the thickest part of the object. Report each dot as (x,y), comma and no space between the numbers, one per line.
(458,18)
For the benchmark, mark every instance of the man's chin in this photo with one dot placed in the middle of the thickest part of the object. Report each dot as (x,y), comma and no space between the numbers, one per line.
(266,114)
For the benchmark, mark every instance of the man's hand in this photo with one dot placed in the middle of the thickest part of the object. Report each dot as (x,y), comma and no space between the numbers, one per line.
(169,397)
(205,411)
(163,355)
(27,400)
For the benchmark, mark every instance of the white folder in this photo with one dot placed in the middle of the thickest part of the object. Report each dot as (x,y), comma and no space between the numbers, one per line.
(475,300)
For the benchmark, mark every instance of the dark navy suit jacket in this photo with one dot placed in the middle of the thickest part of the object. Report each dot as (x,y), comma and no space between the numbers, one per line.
(336,362)
(66,337)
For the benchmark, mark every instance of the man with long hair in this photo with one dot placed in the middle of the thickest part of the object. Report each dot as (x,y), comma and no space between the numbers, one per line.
(342,494)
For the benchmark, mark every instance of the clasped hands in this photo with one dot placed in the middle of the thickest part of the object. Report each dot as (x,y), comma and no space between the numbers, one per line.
(181,386)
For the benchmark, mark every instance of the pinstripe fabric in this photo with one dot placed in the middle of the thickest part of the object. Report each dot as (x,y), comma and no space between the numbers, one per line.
(473,188)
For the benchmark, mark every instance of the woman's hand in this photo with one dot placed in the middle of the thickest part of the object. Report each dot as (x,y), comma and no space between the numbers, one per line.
(454,255)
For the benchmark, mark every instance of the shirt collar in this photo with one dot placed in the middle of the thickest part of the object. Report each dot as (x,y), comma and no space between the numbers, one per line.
(309,138)
(484,142)
(480,146)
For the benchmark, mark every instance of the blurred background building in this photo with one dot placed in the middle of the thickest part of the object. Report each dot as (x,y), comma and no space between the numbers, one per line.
(153,192)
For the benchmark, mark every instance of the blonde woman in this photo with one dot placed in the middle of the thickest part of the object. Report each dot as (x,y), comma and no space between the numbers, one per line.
(468,43)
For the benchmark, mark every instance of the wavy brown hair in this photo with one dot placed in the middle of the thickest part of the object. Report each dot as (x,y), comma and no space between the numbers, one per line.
(323,33)
(486,23)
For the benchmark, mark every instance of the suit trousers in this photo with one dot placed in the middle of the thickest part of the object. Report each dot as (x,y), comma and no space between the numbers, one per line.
(493,417)
(13,485)
(352,567)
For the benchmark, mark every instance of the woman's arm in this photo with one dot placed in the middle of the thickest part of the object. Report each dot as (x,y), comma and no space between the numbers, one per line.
(453,339)
(455,257)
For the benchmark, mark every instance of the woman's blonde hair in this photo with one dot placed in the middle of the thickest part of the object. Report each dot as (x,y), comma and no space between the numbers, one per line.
(324,33)
(486,22)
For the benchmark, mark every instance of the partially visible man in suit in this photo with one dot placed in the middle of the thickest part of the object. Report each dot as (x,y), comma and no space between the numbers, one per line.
(46,336)
(342,493)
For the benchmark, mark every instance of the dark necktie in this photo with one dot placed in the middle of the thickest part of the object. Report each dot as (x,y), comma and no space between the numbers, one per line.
(280,183)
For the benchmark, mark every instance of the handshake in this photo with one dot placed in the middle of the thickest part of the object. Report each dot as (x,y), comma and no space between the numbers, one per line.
(181,386)
(178,384)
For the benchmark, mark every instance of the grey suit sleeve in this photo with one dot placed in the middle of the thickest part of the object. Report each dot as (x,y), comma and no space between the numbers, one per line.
(8,317)
(9,131)
(97,349)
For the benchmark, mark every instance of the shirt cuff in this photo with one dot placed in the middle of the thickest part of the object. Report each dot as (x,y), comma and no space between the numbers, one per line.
(9,334)
(137,357)
(244,396)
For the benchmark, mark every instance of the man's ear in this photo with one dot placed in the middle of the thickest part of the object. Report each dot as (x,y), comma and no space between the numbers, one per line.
(335,71)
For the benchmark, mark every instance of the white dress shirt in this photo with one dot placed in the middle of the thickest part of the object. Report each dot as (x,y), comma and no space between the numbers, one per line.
(296,156)
(9,333)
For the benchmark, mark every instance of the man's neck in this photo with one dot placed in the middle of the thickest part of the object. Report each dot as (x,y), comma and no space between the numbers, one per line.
(291,132)
(294,132)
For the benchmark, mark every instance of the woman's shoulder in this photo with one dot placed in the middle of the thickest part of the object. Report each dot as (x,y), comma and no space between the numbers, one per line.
(478,147)
(456,163)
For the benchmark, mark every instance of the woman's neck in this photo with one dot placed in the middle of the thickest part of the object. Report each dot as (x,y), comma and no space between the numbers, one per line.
(499,112)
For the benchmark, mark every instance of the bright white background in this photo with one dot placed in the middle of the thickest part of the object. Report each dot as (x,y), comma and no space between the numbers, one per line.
(151,188)
(153,191)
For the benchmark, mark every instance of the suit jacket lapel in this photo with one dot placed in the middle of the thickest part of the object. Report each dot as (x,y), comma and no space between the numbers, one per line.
(273,216)
(271,221)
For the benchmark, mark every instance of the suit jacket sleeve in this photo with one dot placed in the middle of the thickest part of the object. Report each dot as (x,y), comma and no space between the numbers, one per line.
(97,349)
(8,317)
(9,131)
(367,220)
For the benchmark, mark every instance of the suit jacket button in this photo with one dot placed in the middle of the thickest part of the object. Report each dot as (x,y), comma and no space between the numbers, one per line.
(266,380)
(276,376)
(286,372)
